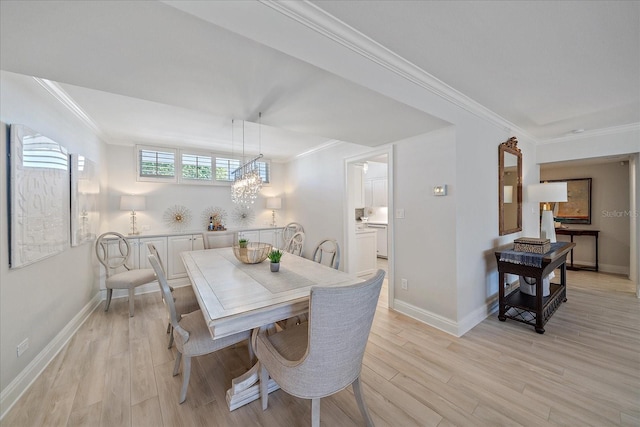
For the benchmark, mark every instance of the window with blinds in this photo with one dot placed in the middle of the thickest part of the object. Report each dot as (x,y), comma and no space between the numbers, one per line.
(225,167)
(157,164)
(197,167)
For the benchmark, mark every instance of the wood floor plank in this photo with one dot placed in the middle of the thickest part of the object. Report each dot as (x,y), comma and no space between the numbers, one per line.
(585,370)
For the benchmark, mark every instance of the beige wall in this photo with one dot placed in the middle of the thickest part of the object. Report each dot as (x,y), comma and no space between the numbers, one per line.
(610,213)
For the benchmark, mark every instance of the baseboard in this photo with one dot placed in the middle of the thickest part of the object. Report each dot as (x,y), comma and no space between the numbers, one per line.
(424,316)
(10,395)
(604,268)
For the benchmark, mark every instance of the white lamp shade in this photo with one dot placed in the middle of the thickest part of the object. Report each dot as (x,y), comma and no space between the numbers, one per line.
(508,194)
(274,203)
(132,203)
(547,192)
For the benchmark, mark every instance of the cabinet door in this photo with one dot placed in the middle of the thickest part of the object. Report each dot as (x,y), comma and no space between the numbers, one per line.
(379,190)
(368,193)
(197,242)
(272,236)
(366,253)
(161,245)
(177,245)
(250,235)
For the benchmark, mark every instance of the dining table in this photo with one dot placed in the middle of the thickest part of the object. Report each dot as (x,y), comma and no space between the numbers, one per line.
(236,297)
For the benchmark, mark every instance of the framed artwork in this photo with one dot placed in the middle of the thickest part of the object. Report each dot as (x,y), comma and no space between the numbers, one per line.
(39,197)
(577,208)
(85,188)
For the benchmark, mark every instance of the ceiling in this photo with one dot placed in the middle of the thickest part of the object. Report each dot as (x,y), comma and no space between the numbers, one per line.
(147,72)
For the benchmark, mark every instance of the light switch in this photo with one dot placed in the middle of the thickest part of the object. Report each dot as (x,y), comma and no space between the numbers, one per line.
(440,190)
(399,213)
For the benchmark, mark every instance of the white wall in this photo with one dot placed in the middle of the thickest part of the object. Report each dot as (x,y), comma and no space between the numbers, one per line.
(39,300)
(121,163)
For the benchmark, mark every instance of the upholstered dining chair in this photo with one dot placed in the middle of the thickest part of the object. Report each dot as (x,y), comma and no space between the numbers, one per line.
(183,298)
(324,355)
(191,334)
(295,244)
(112,250)
(328,253)
(289,230)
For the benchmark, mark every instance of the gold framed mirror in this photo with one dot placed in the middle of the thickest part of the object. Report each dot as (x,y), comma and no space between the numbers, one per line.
(510,187)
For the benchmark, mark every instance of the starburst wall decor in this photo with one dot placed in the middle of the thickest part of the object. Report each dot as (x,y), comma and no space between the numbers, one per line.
(215,215)
(243,216)
(177,217)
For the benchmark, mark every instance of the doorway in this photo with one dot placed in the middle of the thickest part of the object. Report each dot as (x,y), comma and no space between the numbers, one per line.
(368,215)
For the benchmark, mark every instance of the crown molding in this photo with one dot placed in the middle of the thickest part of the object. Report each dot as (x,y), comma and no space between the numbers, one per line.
(615,130)
(61,96)
(331,27)
(321,147)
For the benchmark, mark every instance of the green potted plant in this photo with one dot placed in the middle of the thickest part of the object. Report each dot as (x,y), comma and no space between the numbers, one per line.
(243,243)
(274,257)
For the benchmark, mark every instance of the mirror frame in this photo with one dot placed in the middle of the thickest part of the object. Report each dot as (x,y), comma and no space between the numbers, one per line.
(510,146)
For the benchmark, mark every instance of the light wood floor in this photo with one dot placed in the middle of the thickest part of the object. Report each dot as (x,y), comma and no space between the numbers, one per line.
(584,371)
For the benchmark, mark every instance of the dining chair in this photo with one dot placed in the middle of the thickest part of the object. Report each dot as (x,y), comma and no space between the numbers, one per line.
(191,333)
(183,297)
(327,252)
(113,250)
(324,355)
(289,230)
(295,244)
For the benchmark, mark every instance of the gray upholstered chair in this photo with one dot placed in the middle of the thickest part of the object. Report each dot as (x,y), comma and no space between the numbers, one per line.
(327,253)
(112,250)
(191,334)
(289,230)
(323,356)
(295,244)
(183,298)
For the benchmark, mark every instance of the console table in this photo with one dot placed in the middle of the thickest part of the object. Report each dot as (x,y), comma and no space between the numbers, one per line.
(580,232)
(534,310)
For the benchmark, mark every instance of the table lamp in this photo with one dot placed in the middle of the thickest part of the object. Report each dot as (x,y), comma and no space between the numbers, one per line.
(133,203)
(274,203)
(549,192)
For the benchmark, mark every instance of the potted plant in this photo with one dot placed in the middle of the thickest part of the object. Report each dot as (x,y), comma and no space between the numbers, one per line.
(274,257)
(243,243)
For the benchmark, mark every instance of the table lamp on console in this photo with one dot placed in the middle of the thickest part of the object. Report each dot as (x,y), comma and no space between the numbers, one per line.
(547,193)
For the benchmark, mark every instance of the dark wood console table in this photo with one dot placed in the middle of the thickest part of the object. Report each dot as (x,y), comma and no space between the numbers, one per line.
(534,310)
(580,232)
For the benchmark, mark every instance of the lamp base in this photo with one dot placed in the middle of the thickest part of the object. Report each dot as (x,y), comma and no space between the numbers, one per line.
(547,227)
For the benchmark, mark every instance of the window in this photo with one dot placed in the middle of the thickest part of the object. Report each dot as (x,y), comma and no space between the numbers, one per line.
(156,164)
(265,172)
(225,167)
(197,167)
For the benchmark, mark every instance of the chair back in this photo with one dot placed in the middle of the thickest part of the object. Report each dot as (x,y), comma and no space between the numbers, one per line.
(154,251)
(327,253)
(288,231)
(340,320)
(295,244)
(112,250)
(167,296)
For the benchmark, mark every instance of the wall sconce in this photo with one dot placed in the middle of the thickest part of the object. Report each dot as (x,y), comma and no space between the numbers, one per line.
(133,203)
(440,190)
(274,203)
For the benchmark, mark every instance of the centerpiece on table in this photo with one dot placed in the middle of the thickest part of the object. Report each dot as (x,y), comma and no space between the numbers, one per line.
(274,256)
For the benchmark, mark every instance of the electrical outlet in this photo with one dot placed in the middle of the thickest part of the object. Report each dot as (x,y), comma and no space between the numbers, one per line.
(23,346)
(404,284)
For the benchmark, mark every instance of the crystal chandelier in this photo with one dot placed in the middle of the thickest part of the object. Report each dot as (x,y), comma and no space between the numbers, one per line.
(247,181)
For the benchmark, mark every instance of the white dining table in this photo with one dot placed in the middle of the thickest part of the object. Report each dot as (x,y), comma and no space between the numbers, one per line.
(236,297)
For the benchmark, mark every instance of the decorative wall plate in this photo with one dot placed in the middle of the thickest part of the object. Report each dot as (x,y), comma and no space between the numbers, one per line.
(216,213)
(243,216)
(177,217)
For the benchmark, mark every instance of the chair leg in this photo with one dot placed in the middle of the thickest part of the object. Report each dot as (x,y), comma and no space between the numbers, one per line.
(168,327)
(357,391)
(315,412)
(186,373)
(264,386)
(107,303)
(176,366)
(171,338)
(132,293)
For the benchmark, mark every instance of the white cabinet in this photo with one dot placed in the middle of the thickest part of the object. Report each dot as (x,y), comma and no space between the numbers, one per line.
(376,192)
(356,183)
(139,257)
(365,252)
(264,235)
(177,245)
(217,239)
(250,235)
(381,238)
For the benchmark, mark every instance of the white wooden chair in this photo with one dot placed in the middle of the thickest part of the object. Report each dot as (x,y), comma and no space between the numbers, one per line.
(191,334)
(295,244)
(289,230)
(183,297)
(327,253)
(324,355)
(112,250)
